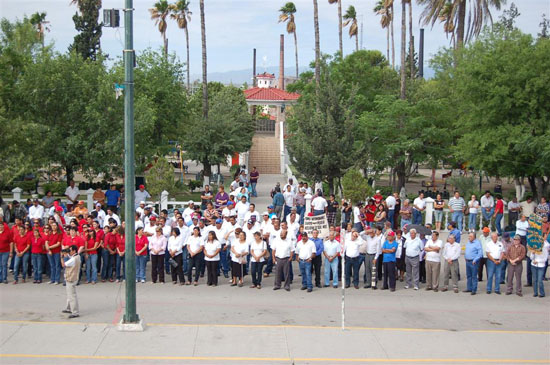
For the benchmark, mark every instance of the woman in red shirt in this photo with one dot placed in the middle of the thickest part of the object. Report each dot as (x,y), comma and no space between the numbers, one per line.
(5,252)
(22,243)
(109,248)
(37,255)
(142,242)
(91,256)
(499,213)
(53,249)
(99,235)
(120,249)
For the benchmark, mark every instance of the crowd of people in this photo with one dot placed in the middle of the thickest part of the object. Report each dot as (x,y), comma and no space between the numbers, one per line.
(225,236)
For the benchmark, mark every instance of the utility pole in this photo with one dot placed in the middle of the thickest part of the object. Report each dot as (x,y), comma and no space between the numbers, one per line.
(130,321)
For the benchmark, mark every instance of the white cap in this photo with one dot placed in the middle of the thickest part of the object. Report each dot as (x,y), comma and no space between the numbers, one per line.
(141,202)
(265,213)
(377,191)
(190,202)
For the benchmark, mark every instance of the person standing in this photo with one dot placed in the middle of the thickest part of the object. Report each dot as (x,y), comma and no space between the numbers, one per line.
(484,240)
(278,203)
(351,250)
(317,259)
(258,251)
(433,261)
(254,176)
(439,204)
(487,208)
(513,211)
(456,207)
(5,251)
(142,243)
(72,269)
(538,263)
(157,246)
(528,206)
(290,201)
(71,193)
(472,255)
(406,212)
(391,202)
(22,246)
(319,204)
(175,250)
(413,246)
(282,250)
(195,247)
(141,195)
(388,257)
(305,250)
(373,251)
(91,256)
(495,256)
(499,213)
(332,209)
(419,205)
(331,250)
(206,197)
(451,253)
(473,208)
(37,255)
(120,251)
(239,253)
(53,249)
(113,198)
(515,255)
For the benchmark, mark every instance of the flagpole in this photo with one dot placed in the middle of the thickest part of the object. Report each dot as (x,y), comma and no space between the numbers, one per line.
(343,278)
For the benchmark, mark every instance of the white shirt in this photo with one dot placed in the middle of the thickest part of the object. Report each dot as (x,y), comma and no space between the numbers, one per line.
(390,202)
(293,228)
(186,215)
(250,214)
(512,205)
(137,224)
(419,203)
(250,231)
(36,212)
(487,202)
(540,258)
(319,203)
(292,188)
(175,244)
(194,243)
(305,250)
(521,227)
(210,247)
(432,255)
(240,248)
(356,215)
(257,248)
(274,234)
(220,233)
(114,216)
(414,246)
(242,209)
(289,198)
(72,193)
(351,247)
(528,208)
(266,226)
(451,252)
(495,249)
(331,248)
(473,206)
(150,229)
(374,246)
(228,212)
(101,217)
(283,247)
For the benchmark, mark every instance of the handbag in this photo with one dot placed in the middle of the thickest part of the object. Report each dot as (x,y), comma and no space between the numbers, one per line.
(172,262)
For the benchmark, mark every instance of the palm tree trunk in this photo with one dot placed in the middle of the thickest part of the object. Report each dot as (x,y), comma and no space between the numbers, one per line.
(411,39)
(204,80)
(403,67)
(296,52)
(188,72)
(392,40)
(317,44)
(461,25)
(340,28)
(165,43)
(357,42)
(388,43)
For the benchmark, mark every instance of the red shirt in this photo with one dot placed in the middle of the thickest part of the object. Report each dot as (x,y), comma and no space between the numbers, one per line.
(37,245)
(110,241)
(140,243)
(54,239)
(378,198)
(499,207)
(5,240)
(90,243)
(120,243)
(14,230)
(368,214)
(99,236)
(21,242)
(76,240)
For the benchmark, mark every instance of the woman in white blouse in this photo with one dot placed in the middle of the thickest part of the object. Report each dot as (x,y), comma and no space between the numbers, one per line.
(239,252)
(212,248)
(195,247)
(258,250)
(473,206)
(175,250)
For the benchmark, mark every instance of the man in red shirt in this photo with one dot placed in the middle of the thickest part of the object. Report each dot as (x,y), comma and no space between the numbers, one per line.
(5,251)
(22,243)
(499,213)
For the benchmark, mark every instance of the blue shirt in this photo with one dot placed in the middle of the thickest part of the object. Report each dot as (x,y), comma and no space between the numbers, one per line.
(389,257)
(455,232)
(112,197)
(474,251)
(278,199)
(319,246)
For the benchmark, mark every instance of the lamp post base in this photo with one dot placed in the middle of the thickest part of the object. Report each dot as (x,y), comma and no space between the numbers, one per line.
(131,327)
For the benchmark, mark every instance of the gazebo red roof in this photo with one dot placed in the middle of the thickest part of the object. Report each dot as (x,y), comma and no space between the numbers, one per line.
(258,93)
(266,75)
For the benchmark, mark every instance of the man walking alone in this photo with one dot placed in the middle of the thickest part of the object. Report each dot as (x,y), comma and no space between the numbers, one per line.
(72,268)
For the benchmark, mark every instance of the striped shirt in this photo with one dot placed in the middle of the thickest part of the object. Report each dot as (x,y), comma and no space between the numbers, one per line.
(515,252)
(457,205)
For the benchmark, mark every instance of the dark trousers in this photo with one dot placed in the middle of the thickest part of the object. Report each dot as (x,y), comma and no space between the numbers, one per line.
(269,264)
(423,271)
(282,271)
(389,274)
(379,265)
(108,265)
(352,263)
(178,271)
(482,262)
(157,268)
(256,269)
(196,261)
(316,267)
(212,272)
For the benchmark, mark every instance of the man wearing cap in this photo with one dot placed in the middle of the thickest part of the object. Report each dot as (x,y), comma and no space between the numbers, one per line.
(271,212)
(484,240)
(472,254)
(141,195)
(141,209)
(515,254)
(265,223)
(71,193)
(36,211)
(229,210)
(378,197)
(113,198)
(80,209)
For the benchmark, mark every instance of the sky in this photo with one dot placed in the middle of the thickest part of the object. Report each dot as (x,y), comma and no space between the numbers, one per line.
(235,27)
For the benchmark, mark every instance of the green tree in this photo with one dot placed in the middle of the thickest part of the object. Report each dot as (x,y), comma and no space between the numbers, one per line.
(355,186)
(182,15)
(160,177)
(351,19)
(87,42)
(159,12)
(287,15)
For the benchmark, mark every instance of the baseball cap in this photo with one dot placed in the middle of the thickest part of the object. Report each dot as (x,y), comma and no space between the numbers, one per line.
(190,202)
(250,221)
(270,207)
(486,229)
(392,234)
(142,186)
(219,220)
(153,219)
(230,203)
(141,202)
(265,213)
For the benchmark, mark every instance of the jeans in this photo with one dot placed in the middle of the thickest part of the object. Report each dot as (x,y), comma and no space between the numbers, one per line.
(493,271)
(286,212)
(471,275)
(405,222)
(358,227)
(21,261)
(457,217)
(256,269)
(352,263)
(91,268)
(538,284)
(253,186)
(503,267)
(185,262)
(417,217)
(141,263)
(55,267)
(224,260)
(4,256)
(37,264)
(487,215)
(305,269)
(391,216)
(300,209)
(331,267)
(107,269)
(472,218)
(498,223)
(120,262)
(318,212)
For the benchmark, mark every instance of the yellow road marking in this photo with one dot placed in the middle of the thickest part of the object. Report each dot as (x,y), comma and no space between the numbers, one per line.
(271,359)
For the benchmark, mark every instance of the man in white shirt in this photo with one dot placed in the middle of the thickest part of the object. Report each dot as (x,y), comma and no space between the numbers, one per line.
(522,225)
(291,185)
(495,260)
(100,215)
(418,207)
(110,214)
(242,208)
(330,253)
(528,206)
(513,211)
(413,246)
(250,228)
(373,249)
(487,208)
(265,224)
(188,212)
(252,213)
(141,195)
(36,211)
(351,250)
(357,225)
(140,209)
(451,253)
(319,204)
(71,193)
(290,202)
(282,252)
(293,223)
(305,249)
(229,210)
(391,202)
(433,261)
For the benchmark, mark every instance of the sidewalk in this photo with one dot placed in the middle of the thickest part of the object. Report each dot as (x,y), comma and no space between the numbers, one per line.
(265,184)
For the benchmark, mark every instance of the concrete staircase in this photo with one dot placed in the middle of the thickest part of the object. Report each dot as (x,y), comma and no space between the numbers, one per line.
(265,154)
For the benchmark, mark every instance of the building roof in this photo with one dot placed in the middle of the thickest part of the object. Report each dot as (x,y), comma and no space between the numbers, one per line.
(270,94)
(266,75)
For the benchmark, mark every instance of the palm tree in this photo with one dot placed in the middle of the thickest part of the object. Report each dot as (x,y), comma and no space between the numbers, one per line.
(478,14)
(317,45)
(446,17)
(287,15)
(351,20)
(402,93)
(411,39)
(39,21)
(389,5)
(182,15)
(339,24)
(385,20)
(159,13)
(204,68)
